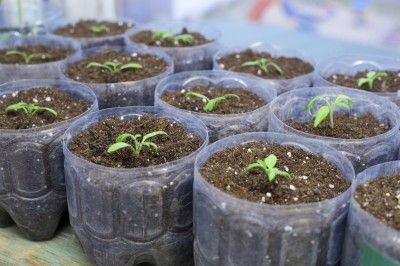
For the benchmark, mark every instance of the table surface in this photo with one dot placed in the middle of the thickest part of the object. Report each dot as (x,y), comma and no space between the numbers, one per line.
(65,248)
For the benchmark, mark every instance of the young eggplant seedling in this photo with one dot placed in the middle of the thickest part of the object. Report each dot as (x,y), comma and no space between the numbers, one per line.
(165,35)
(370,78)
(212,104)
(326,110)
(114,67)
(122,142)
(29,108)
(268,165)
(99,28)
(27,57)
(263,65)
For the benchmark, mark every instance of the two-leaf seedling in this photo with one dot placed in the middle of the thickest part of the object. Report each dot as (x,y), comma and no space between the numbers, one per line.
(370,79)
(99,28)
(166,35)
(27,57)
(211,104)
(122,142)
(268,165)
(263,64)
(114,67)
(326,110)
(29,108)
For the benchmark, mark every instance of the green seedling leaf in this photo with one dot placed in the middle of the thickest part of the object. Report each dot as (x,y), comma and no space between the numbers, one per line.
(161,35)
(27,57)
(212,104)
(166,35)
(114,67)
(263,65)
(184,38)
(370,79)
(268,165)
(29,109)
(99,28)
(118,146)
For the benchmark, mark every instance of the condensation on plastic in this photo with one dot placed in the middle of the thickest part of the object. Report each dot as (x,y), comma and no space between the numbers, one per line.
(129,93)
(185,58)
(283,85)
(90,42)
(232,231)
(220,126)
(32,187)
(363,227)
(351,65)
(12,72)
(132,216)
(363,153)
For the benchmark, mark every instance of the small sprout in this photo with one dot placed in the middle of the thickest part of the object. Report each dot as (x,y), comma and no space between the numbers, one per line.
(114,67)
(27,56)
(268,165)
(263,64)
(165,35)
(398,199)
(29,108)
(212,104)
(121,142)
(342,101)
(99,28)
(370,78)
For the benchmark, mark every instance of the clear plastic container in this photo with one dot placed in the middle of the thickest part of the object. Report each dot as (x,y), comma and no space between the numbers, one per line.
(138,215)
(12,72)
(90,42)
(351,65)
(283,85)
(220,126)
(185,58)
(364,229)
(130,93)
(232,231)
(32,187)
(363,153)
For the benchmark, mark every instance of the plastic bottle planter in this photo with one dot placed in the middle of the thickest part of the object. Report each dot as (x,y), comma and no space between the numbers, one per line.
(12,72)
(366,234)
(363,153)
(282,84)
(90,42)
(185,58)
(232,231)
(131,93)
(220,126)
(132,216)
(350,65)
(32,187)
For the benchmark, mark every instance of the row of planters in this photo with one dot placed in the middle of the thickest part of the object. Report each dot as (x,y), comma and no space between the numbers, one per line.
(259,198)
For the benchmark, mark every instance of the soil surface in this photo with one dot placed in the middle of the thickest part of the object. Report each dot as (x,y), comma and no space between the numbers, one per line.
(52,54)
(313,178)
(82,29)
(65,105)
(292,67)
(92,143)
(248,101)
(151,66)
(346,127)
(378,197)
(391,83)
(146,37)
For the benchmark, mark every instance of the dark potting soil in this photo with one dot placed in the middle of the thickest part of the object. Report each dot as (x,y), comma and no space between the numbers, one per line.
(378,197)
(52,54)
(313,177)
(146,37)
(391,83)
(66,106)
(292,67)
(152,66)
(82,29)
(346,127)
(248,101)
(92,143)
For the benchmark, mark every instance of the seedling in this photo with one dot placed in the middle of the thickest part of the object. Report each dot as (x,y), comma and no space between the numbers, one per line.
(114,67)
(341,100)
(268,165)
(398,199)
(370,78)
(122,142)
(28,57)
(29,108)
(212,104)
(263,64)
(165,35)
(99,28)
